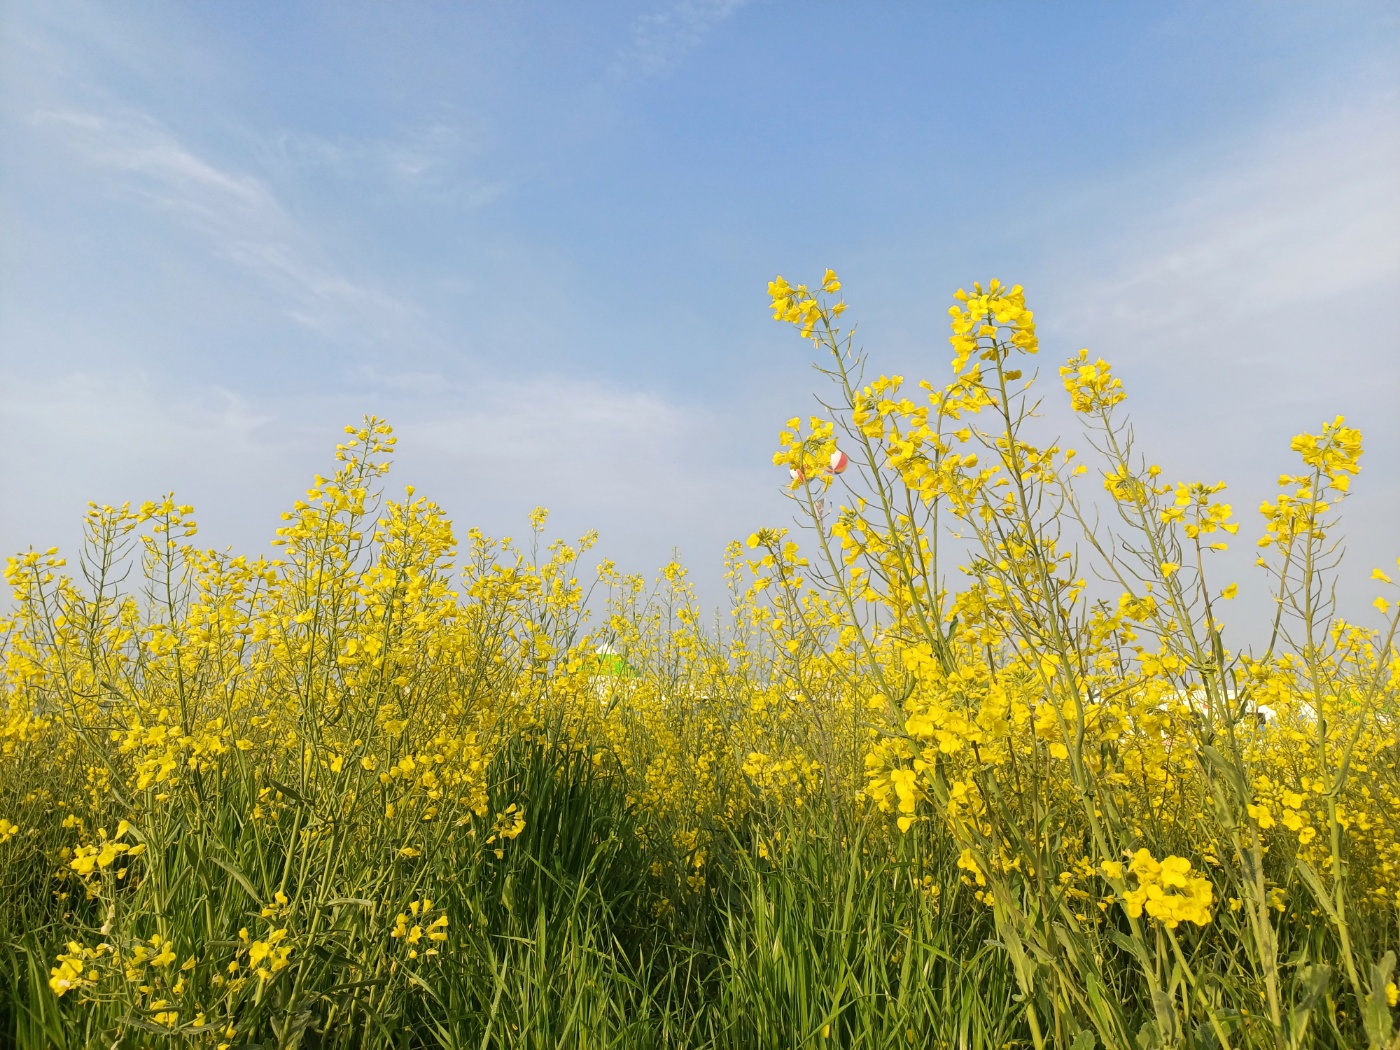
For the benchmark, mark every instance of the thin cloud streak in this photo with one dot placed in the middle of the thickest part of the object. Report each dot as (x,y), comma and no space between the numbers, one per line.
(238,215)
(433,162)
(1297,216)
(660,39)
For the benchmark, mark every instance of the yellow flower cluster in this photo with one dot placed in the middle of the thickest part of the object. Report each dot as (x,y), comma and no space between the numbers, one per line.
(1092,388)
(413,927)
(978,324)
(74,969)
(266,957)
(801,307)
(1335,453)
(1165,889)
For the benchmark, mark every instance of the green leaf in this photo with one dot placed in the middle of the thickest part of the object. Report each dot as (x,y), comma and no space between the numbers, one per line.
(239,878)
(1229,771)
(1376,1012)
(1319,891)
(1312,982)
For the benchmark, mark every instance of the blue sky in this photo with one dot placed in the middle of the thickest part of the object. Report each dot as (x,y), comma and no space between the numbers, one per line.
(535,237)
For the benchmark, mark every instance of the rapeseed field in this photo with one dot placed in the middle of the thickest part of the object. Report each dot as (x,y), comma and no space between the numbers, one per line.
(971,760)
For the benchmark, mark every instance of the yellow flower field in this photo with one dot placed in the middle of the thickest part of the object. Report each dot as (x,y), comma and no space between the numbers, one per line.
(970,761)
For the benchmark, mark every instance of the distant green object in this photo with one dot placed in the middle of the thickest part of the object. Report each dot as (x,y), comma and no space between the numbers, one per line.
(614,664)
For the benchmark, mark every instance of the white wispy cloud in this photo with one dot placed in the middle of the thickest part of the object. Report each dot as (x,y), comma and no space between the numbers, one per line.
(238,216)
(661,38)
(118,438)
(435,161)
(1297,215)
(649,473)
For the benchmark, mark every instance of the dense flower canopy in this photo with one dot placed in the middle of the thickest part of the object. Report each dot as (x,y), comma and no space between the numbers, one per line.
(231,784)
